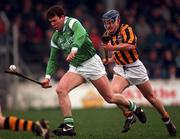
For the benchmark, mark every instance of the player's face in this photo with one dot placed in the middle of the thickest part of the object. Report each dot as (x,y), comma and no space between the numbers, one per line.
(57,22)
(111,25)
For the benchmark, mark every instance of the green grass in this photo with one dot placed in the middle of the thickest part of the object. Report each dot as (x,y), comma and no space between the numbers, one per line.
(100,124)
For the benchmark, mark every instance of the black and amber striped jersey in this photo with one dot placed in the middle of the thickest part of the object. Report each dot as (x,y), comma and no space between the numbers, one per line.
(124,34)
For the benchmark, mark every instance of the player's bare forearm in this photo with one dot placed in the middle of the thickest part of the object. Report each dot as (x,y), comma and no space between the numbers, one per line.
(126,46)
(121,46)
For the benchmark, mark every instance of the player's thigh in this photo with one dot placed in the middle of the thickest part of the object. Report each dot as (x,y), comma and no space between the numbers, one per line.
(69,81)
(119,83)
(146,89)
(103,86)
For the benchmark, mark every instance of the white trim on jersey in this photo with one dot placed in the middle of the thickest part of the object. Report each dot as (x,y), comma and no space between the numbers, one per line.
(74,49)
(54,45)
(47,76)
(71,23)
(66,18)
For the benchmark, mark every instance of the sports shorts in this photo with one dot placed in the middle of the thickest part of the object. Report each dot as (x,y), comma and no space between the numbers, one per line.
(92,69)
(135,73)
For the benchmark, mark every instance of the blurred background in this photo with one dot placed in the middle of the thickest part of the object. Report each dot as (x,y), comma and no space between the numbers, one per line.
(25,42)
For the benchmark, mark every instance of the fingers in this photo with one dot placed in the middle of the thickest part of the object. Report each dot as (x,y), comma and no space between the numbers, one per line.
(105,61)
(45,83)
(71,56)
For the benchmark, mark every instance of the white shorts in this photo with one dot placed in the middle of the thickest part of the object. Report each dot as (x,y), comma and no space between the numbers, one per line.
(92,69)
(135,73)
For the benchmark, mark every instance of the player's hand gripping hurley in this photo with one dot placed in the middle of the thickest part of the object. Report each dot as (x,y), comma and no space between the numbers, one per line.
(105,39)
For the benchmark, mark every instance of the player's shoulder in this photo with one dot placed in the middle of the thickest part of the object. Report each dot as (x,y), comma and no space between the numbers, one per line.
(71,18)
(71,21)
(54,35)
(124,26)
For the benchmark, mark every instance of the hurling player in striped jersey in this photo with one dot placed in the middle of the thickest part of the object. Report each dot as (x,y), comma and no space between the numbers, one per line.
(128,69)
(13,123)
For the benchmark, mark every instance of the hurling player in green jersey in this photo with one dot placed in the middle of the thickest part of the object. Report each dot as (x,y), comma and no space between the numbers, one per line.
(71,38)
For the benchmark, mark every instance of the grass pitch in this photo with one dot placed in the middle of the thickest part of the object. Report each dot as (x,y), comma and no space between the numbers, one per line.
(99,123)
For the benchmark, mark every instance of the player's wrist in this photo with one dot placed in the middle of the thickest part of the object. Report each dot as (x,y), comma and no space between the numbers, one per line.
(48,77)
(74,48)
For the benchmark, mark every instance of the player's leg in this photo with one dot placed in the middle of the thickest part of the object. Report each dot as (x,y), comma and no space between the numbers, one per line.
(69,81)
(147,91)
(103,86)
(118,84)
(123,76)
(40,128)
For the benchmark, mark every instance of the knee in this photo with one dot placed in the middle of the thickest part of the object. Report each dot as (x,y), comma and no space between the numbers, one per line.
(109,99)
(61,91)
(116,89)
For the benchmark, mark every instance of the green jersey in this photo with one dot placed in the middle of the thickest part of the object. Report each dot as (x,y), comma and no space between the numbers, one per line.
(73,35)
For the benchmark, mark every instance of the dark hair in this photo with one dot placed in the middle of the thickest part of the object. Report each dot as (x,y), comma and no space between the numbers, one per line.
(55,10)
